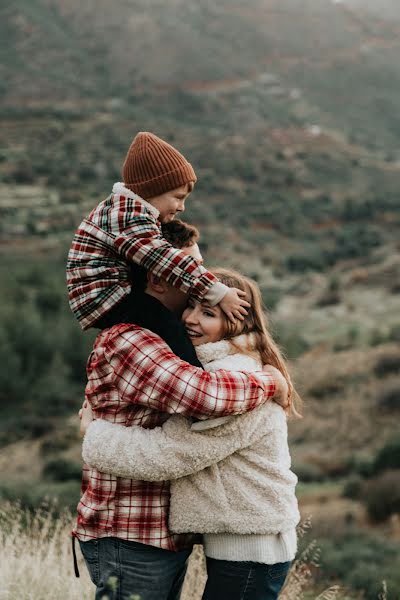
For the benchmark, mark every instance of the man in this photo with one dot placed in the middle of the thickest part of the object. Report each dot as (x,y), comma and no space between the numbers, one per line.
(135,379)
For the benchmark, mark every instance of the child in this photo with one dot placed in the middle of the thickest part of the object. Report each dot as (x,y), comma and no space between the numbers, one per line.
(231,477)
(126,228)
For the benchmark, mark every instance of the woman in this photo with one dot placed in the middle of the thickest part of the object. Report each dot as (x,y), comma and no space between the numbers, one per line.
(230,477)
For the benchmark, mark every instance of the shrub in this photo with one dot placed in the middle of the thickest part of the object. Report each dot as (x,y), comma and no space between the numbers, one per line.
(290,340)
(59,441)
(305,261)
(60,469)
(31,495)
(387,364)
(377,336)
(308,473)
(328,298)
(271,296)
(24,427)
(364,467)
(394,333)
(327,387)
(382,495)
(48,301)
(388,456)
(361,562)
(353,488)
(389,398)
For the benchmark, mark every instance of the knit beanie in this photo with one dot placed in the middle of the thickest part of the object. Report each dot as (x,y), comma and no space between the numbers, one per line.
(153,167)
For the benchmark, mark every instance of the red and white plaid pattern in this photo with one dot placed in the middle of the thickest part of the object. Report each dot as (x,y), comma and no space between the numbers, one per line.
(135,379)
(121,229)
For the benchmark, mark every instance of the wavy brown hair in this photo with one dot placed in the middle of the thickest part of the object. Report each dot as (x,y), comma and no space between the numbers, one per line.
(256,323)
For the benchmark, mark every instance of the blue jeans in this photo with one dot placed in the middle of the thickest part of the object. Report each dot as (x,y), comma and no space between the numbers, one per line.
(228,580)
(124,570)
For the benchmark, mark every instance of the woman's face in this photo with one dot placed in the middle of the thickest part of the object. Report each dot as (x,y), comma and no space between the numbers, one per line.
(204,323)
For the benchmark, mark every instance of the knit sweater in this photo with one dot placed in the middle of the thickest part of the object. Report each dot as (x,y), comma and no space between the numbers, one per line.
(229,475)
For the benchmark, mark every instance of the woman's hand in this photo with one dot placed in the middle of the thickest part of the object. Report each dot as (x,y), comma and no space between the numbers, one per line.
(282,388)
(86,417)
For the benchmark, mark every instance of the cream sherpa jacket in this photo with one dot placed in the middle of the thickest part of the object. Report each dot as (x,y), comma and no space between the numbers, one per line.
(229,475)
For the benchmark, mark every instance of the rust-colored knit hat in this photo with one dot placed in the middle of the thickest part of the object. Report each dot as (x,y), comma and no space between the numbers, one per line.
(153,167)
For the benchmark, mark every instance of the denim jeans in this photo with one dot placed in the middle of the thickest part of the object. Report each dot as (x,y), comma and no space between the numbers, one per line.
(124,570)
(228,580)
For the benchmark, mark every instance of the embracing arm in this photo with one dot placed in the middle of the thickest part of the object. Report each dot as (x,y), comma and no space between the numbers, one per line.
(168,452)
(137,367)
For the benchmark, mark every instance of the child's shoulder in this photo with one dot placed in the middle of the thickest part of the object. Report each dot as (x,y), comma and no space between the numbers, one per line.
(123,196)
(121,208)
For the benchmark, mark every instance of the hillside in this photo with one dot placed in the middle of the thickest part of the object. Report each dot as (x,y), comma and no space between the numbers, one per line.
(342,62)
(288,112)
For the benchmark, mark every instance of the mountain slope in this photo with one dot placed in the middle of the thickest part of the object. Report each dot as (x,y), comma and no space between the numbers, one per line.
(342,62)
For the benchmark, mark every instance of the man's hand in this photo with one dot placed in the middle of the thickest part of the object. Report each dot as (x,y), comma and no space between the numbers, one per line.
(282,388)
(86,417)
(234,304)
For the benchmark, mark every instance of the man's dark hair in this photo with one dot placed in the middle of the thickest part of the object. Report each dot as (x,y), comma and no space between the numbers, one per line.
(179,234)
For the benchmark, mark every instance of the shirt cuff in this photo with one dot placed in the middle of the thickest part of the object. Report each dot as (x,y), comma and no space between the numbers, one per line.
(216,292)
(268,382)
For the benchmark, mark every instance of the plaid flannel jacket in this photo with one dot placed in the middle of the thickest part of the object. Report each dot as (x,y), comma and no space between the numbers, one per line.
(121,229)
(135,379)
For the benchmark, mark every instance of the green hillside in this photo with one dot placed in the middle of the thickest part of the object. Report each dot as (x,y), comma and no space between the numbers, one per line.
(288,111)
(343,63)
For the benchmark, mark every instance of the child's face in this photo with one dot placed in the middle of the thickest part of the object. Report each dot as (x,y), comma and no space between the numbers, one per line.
(204,323)
(170,203)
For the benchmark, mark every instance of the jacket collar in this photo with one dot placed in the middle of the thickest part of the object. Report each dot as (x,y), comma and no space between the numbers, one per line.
(217,350)
(121,190)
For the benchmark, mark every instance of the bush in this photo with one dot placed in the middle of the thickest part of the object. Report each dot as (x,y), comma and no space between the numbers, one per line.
(300,262)
(388,456)
(60,469)
(364,467)
(362,562)
(59,441)
(382,495)
(291,341)
(31,495)
(387,364)
(353,488)
(328,298)
(394,333)
(24,427)
(49,301)
(389,398)
(42,350)
(308,473)
(327,387)
(271,296)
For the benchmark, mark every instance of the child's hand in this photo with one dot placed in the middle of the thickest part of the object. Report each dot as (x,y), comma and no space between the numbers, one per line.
(234,304)
(86,417)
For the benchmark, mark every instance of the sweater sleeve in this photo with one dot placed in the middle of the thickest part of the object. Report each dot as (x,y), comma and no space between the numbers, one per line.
(163,453)
(144,245)
(171,451)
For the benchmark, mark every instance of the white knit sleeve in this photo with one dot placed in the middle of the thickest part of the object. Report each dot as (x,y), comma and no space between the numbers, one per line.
(159,454)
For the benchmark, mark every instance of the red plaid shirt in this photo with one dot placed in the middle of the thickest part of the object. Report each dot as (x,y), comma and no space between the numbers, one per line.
(125,228)
(135,379)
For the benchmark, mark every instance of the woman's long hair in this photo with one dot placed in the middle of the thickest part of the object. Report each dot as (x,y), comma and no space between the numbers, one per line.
(256,323)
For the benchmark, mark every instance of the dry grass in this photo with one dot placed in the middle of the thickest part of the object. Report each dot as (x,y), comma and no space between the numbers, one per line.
(36,562)
(36,557)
